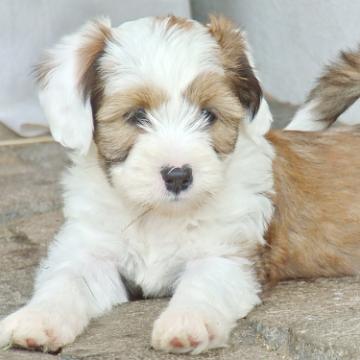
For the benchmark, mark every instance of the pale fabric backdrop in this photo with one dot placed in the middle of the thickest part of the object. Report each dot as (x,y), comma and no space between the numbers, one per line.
(27,27)
(292,39)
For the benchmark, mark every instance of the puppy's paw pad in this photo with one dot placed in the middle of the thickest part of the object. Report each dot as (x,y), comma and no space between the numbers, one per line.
(177,343)
(31,343)
(184,331)
(34,329)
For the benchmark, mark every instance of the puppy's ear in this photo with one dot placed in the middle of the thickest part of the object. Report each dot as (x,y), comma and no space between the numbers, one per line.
(65,78)
(236,62)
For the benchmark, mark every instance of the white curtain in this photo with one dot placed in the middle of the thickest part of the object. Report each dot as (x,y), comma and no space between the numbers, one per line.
(27,27)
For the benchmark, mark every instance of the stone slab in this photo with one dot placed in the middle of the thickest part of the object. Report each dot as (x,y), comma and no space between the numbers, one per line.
(29,179)
(317,319)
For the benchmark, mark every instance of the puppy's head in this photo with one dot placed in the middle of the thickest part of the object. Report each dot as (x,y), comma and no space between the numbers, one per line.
(164,100)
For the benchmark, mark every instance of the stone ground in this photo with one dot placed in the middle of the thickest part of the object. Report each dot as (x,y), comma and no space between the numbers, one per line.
(317,319)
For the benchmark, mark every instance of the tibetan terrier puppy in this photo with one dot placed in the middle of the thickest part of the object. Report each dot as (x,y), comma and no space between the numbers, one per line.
(179,188)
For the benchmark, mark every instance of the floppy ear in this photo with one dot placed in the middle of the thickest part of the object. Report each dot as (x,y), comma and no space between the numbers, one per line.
(234,52)
(65,78)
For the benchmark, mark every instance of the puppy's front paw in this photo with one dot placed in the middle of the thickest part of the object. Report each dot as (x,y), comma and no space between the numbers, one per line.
(182,331)
(36,329)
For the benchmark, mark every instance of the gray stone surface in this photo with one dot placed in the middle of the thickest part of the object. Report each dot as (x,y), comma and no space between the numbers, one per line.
(128,330)
(6,133)
(29,179)
(297,320)
(317,319)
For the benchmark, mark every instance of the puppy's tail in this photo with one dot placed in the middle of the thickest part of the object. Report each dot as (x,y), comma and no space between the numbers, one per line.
(335,91)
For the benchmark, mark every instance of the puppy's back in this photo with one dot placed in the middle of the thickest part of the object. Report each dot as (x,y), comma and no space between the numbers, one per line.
(315,230)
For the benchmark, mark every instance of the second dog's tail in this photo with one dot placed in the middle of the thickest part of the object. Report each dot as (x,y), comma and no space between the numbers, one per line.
(336,90)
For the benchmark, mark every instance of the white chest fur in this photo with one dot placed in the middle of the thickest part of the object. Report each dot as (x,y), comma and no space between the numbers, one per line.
(151,249)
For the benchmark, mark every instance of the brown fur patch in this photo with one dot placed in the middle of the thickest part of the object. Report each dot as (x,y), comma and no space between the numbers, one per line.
(235,62)
(212,91)
(338,88)
(176,21)
(179,22)
(113,134)
(88,53)
(315,230)
(114,140)
(115,106)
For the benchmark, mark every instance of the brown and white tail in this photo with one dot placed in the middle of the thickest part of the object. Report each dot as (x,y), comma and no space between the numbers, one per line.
(336,90)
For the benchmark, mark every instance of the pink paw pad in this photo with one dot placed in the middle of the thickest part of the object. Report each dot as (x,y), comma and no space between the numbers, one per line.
(176,343)
(31,343)
(193,342)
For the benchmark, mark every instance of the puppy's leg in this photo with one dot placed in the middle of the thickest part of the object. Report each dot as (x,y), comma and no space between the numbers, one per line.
(75,283)
(211,295)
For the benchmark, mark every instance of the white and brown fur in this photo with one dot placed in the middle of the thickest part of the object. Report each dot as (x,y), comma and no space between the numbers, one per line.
(335,91)
(320,233)
(264,205)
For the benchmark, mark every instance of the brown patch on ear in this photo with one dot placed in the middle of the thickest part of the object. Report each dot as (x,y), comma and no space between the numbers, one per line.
(93,45)
(90,83)
(212,91)
(236,63)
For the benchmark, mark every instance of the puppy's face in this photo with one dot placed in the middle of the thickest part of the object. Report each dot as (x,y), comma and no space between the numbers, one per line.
(168,98)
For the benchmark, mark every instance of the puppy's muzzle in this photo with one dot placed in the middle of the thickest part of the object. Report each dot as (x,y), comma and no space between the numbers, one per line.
(177,179)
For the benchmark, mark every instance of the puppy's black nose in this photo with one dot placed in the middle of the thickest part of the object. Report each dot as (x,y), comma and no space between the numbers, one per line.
(177,179)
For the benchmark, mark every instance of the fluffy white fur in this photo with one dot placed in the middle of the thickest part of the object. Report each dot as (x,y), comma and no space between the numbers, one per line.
(196,249)
(306,119)
(61,100)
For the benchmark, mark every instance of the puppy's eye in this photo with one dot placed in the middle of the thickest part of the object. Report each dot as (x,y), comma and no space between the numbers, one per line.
(209,116)
(137,117)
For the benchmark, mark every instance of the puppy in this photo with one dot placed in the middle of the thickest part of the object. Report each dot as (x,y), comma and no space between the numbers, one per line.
(179,188)
(335,91)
